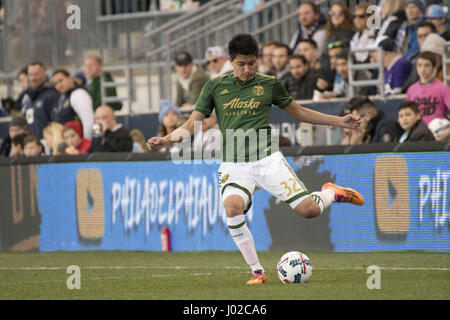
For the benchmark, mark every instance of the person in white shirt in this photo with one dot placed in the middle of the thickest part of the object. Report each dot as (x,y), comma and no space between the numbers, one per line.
(217,62)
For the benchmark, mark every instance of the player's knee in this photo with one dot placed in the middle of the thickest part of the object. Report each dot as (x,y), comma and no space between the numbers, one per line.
(234,205)
(307,209)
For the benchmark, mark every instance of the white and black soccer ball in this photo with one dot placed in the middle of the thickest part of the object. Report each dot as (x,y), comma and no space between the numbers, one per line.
(294,267)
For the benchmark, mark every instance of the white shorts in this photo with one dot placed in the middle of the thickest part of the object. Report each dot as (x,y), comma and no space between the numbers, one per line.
(271,173)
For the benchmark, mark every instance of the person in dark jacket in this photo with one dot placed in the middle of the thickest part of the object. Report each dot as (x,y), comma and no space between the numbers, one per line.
(40,99)
(410,121)
(109,136)
(301,80)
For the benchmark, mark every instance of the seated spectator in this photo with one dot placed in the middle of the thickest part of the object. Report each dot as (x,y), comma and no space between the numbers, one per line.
(440,127)
(410,121)
(308,49)
(191,79)
(437,16)
(300,83)
(375,126)
(342,88)
(363,37)
(311,27)
(39,100)
(339,24)
(74,102)
(33,146)
(266,65)
(73,138)
(328,75)
(280,59)
(18,125)
(396,68)
(17,145)
(53,138)
(406,39)
(217,62)
(8,105)
(432,96)
(169,119)
(93,70)
(392,17)
(110,135)
(435,45)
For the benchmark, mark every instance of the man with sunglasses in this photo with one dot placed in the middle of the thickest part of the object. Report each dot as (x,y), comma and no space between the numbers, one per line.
(217,62)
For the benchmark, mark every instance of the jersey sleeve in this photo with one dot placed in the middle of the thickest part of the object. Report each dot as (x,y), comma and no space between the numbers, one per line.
(280,97)
(205,101)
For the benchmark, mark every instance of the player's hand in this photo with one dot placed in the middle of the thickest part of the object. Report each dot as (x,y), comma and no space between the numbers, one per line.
(156,143)
(351,121)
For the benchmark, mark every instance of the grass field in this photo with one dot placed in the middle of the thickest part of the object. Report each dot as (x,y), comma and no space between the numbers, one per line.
(219,275)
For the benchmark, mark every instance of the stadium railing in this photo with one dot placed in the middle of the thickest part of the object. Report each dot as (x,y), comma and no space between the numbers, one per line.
(446,62)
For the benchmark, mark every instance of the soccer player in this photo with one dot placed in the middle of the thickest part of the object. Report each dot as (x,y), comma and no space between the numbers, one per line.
(243,101)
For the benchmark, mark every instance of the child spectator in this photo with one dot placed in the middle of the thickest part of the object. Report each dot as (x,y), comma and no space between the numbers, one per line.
(53,138)
(169,119)
(33,146)
(18,125)
(17,145)
(342,89)
(73,138)
(432,96)
(410,121)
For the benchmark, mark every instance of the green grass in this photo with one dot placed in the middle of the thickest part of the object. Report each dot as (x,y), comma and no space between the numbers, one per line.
(220,275)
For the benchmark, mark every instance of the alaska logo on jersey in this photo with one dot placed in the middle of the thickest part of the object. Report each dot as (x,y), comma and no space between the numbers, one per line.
(237,103)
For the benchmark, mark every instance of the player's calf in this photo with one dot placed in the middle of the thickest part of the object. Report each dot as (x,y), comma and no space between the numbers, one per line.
(308,208)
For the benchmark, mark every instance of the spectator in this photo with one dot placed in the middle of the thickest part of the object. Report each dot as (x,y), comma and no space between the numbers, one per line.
(311,27)
(437,16)
(17,145)
(339,23)
(53,138)
(18,125)
(407,35)
(22,77)
(74,140)
(280,59)
(308,49)
(435,45)
(217,62)
(111,136)
(39,100)
(342,89)
(424,28)
(392,17)
(375,127)
(33,146)
(12,106)
(396,68)
(169,119)
(410,121)
(301,81)
(74,102)
(93,70)
(432,96)
(266,65)
(191,79)
(364,37)
(138,141)
(440,127)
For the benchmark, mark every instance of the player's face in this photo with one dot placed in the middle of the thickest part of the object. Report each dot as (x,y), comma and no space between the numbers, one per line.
(407,118)
(244,67)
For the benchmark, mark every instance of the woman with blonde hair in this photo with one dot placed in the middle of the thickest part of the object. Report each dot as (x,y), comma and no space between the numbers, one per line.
(53,138)
(392,17)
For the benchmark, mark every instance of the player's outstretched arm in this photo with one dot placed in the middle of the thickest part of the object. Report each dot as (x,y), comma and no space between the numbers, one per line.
(178,135)
(303,114)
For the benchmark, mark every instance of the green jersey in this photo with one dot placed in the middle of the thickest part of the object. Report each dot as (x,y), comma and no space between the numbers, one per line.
(243,112)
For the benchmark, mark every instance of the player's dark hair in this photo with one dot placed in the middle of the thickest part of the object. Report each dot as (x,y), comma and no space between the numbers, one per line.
(409,104)
(243,44)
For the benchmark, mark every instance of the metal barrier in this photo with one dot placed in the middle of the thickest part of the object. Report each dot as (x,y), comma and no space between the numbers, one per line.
(446,62)
(354,67)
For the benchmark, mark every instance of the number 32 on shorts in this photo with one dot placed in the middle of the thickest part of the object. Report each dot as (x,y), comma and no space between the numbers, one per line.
(292,186)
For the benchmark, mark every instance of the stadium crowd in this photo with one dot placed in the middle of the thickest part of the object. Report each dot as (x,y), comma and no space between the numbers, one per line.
(63,114)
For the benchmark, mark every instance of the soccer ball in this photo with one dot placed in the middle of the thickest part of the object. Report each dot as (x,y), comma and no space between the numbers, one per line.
(294,267)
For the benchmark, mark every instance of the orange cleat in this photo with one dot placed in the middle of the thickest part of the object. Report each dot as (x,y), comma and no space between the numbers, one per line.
(259,277)
(345,194)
